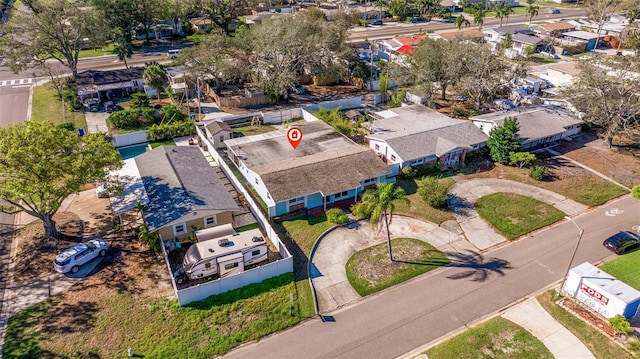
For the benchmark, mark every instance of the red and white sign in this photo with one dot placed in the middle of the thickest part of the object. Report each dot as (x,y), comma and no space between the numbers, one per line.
(294,135)
(594,293)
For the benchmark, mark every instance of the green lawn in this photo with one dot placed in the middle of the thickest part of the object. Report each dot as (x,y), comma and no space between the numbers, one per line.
(497,338)
(599,344)
(155,144)
(153,327)
(46,105)
(514,215)
(370,269)
(417,207)
(305,230)
(625,268)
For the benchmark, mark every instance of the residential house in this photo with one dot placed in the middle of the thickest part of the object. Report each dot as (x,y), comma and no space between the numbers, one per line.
(218,132)
(201,24)
(489,3)
(495,34)
(178,80)
(466,34)
(522,42)
(184,192)
(540,126)
(325,168)
(553,29)
(110,84)
(579,37)
(611,28)
(561,73)
(416,135)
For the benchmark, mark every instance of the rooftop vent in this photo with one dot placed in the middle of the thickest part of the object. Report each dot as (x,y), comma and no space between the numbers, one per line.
(257,239)
(211,250)
(224,242)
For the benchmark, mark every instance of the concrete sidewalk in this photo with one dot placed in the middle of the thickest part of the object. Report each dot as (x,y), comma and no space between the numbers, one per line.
(465,193)
(328,261)
(559,340)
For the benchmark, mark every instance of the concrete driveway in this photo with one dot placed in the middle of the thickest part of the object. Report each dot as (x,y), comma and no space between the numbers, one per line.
(464,194)
(328,261)
(96,122)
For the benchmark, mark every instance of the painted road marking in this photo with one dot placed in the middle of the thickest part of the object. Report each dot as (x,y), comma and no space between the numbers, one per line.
(16,82)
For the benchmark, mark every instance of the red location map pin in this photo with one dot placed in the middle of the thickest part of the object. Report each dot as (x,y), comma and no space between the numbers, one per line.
(294,135)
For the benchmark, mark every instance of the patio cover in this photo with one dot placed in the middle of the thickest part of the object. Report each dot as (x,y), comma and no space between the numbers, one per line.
(132,189)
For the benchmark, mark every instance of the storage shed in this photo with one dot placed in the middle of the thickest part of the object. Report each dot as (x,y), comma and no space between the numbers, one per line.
(601,291)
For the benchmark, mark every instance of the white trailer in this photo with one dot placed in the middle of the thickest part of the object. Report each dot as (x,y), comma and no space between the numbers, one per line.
(225,255)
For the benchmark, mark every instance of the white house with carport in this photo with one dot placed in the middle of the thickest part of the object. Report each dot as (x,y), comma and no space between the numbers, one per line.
(540,126)
(325,168)
(416,135)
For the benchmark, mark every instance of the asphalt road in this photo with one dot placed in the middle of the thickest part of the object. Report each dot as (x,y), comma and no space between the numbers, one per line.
(393,29)
(407,316)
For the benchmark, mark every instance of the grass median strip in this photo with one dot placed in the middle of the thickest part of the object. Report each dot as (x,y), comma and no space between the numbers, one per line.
(497,338)
(370,269)
(599,344)
(514,215)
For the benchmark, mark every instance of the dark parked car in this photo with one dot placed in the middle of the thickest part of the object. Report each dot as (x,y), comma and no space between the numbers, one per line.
(109,106)
(376,22)
(622,242)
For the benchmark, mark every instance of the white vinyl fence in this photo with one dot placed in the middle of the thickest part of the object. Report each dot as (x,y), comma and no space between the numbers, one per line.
(255,275)
(128,139)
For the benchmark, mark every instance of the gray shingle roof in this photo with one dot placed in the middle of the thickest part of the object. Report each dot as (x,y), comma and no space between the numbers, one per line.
(535,122)
(215,127)
(327,172)
(179,180)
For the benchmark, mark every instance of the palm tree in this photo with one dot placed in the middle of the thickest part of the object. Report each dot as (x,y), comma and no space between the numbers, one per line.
(381,203)
(532,10)
(380,4)
(124,50)
(461,21)
(508,10)
(154,76)
(478,17)
(500,11)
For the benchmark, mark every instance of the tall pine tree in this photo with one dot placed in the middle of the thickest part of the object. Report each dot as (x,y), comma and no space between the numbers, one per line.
(504,140)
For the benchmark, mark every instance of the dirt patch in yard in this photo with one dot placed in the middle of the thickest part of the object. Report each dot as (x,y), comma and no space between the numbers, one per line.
(127,267)
(591,151)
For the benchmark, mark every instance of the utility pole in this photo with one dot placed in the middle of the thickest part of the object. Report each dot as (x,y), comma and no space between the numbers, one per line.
(575,250)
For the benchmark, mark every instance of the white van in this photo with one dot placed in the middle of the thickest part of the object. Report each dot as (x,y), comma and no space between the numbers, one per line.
(172,54)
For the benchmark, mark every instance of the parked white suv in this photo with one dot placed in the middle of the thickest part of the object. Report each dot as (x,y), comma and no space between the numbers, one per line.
(72,258)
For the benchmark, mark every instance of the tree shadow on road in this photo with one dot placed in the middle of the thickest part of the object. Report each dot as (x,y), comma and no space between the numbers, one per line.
(479,266)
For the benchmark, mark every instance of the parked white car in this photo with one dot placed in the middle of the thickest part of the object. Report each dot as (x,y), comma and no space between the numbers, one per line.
(72,258)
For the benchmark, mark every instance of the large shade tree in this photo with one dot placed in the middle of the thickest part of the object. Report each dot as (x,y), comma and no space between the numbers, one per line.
(437,62)
(607,92)
(42,164)
(51,29)
(380,203)
(503,140)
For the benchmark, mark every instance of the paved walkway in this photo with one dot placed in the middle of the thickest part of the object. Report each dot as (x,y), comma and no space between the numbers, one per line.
(561,342)
(328,261)
(465,193)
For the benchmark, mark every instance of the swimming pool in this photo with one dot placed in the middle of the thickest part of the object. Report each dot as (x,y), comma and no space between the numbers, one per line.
(132,151)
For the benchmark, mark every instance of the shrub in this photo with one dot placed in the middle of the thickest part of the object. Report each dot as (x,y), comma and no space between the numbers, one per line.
(433,191)
(67,126)
(428,169)
(408,172)
(537,172)
(396,100)
(459,112)
(635,192)
(620,324)
(171,113)
(140,100)
(335,216)
(521,159)
(360,211)
(167,131)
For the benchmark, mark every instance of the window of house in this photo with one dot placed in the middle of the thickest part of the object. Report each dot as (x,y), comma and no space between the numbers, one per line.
(179,229)
(256,252)
(377,147)
(369,181)
(221,138)
(210,221)
(207,265)
(296,200)
(393,157)
(341,194)
(230,265)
